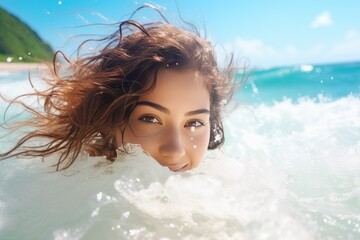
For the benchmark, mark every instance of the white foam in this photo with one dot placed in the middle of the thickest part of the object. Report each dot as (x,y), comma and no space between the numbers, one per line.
(287,171)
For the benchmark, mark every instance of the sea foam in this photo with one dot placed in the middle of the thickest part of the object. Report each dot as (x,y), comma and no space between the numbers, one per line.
(288,170)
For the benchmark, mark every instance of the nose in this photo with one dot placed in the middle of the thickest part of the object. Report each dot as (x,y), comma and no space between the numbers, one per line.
(172,145)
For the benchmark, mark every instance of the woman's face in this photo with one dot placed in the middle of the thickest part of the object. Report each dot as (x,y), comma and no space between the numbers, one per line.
(172,123)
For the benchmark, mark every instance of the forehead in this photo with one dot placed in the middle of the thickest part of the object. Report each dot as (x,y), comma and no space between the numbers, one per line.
(179,87)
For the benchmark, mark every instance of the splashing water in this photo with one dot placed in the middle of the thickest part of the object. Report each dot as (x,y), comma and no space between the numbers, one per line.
(136,198)
(289,170)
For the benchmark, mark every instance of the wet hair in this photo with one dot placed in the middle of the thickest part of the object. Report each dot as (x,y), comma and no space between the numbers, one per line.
(98,92)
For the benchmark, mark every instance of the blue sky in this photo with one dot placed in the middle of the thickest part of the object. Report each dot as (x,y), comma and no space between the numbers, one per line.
(268,33)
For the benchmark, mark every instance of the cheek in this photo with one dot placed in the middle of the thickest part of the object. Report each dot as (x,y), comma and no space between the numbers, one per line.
(147,143)
(199,142)
(197,147)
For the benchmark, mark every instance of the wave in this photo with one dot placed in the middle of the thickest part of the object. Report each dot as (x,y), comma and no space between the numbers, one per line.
(334,81)
(287,171)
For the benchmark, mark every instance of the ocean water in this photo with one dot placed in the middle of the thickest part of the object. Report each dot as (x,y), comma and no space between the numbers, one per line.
(290,169)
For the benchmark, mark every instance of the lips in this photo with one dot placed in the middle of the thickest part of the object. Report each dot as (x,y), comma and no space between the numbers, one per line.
(177,167)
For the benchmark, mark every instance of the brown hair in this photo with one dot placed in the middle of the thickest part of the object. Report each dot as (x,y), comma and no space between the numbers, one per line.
(97,93)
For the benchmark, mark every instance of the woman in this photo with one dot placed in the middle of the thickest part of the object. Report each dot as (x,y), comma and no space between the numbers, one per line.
(155,84)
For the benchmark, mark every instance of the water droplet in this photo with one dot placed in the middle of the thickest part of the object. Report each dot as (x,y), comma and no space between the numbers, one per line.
(194,146)
(224,101)
(95,212)
(59,2)
(126,214)
(192,129)
(192,139)
(118,226)
(321,81)
(99,196)
(217,138)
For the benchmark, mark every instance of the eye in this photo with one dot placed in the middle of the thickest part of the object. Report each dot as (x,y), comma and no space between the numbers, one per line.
(149,119)
(194,123)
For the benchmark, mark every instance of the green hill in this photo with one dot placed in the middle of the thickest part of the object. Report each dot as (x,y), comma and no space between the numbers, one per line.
(20,42)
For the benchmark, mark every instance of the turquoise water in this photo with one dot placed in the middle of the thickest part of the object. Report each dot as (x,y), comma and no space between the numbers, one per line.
(290,169)
(333,81)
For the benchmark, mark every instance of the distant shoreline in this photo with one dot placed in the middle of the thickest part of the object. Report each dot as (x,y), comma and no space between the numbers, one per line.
(13,67)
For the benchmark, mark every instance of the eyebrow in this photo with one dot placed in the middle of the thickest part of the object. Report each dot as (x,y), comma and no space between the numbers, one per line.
(167,111)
